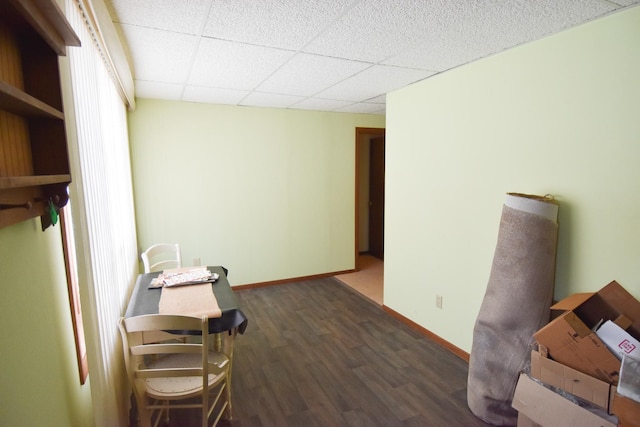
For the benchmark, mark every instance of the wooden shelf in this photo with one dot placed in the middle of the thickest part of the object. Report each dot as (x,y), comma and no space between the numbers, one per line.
(47,19)
(32,181)
(18,102)
(34,162)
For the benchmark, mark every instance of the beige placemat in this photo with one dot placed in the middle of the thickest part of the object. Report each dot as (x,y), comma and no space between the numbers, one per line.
(191,300)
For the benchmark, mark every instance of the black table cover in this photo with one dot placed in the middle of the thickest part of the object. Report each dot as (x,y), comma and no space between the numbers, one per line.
(145,300)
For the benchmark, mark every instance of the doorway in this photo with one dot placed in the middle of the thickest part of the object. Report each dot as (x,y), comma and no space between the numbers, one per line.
(370,176)
(376,197)
(368,277)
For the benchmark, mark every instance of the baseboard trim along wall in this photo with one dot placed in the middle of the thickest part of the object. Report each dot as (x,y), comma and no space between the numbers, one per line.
(443,343)
(293,279)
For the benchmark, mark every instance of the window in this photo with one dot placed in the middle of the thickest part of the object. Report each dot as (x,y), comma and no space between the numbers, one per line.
(69,247)
(101,216)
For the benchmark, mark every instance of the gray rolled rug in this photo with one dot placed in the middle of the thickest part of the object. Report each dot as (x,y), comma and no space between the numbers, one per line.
(516,304)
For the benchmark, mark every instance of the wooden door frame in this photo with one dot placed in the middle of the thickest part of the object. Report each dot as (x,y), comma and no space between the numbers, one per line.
(361,134)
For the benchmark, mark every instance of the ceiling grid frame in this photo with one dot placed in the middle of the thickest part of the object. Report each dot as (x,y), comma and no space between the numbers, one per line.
(333,55)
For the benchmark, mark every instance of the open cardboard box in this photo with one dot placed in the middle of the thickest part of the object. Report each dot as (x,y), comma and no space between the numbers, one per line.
(537,405)
(593,390)
(627,410)
(524,421)
(570,339)
(555,374)
(626,404)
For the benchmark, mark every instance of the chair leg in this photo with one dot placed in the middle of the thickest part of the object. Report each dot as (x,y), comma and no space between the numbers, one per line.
(228,349)
(227,393)
(143,415)
(166,412)
(144,418)
(205,414)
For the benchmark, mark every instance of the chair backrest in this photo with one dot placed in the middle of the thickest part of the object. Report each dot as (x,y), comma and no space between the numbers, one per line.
(163,374)
(161,256)
(136,351)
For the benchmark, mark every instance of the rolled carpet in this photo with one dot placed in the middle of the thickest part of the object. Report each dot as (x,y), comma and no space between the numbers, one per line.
(516,304)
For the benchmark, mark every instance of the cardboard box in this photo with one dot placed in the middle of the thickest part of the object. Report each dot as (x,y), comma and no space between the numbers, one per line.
(549,409)
(524,421)
(626,403)
(570,339)
(555,374)
(627,410)
(618,341)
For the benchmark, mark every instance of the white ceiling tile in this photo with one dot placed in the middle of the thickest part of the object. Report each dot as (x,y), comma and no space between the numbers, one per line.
(382,99)
(332,55)
(321,104)
(232,65)
(514,22)
(440,55)
(363,107)
(376,29)
(494,27)
(285,24)
(306,74)
(260,99)
(158,90)
(184,16)
(373,82)
(159,55)
(213,95)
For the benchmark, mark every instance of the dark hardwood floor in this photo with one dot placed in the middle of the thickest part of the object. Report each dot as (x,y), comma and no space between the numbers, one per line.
(317,353)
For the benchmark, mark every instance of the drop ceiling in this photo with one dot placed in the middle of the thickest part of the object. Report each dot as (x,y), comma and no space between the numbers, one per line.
(327,55)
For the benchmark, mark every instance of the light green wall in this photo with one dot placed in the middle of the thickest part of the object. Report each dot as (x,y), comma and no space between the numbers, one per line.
(267,193)
(39,380)
(558,116)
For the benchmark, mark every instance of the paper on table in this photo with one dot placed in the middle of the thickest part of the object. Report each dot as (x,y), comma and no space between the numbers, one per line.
(183,276)
(195,301)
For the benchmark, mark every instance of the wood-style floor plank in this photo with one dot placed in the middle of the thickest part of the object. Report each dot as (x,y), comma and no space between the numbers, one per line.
(317,353)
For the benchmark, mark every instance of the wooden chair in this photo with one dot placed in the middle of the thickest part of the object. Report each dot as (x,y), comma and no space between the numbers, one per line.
(177,374)
(161,256)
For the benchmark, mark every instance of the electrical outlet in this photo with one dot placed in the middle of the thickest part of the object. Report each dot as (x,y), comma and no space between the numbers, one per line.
(439,301)
(196,261)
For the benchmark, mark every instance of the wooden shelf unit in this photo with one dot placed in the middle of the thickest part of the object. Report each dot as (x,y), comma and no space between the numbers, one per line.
(34,163)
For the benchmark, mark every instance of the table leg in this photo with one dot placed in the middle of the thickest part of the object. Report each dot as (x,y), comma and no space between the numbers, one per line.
(217,342)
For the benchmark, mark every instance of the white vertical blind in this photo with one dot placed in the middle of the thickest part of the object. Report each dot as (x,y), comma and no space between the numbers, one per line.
(104,222)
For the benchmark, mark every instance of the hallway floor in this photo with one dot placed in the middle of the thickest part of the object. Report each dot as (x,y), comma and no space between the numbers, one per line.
(368,280)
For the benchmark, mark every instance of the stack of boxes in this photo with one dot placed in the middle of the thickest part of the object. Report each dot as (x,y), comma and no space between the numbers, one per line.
(586,369)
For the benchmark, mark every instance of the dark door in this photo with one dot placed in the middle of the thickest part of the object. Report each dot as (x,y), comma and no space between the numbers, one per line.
(376,198)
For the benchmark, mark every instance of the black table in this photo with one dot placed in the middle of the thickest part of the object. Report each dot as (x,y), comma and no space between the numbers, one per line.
(145,300)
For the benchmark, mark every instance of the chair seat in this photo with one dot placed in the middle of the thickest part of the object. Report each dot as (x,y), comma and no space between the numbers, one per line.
(182,387)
